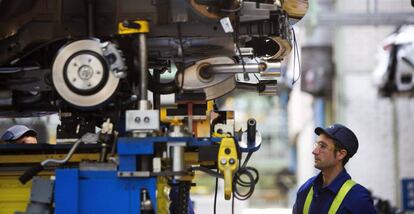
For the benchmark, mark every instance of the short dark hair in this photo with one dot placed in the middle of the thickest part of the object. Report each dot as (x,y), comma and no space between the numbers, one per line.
(339,147)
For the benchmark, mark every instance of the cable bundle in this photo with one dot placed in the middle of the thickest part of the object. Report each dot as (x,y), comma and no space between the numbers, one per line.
(252,177)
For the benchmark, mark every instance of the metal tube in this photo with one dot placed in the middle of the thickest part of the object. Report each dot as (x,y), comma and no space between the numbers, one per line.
(86,138)
(104,151)
(68,156)
(143,58)
(177,156)
(232,68)
(251,131)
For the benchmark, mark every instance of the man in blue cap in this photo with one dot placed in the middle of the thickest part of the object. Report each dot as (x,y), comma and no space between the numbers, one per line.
(332,190)
(19,134)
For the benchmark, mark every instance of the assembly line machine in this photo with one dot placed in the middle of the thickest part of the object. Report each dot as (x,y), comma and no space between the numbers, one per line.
(134,84)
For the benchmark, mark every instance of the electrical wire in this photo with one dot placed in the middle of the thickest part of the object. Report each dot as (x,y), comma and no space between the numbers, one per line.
(215,196)
(238,181)
(232,204)
(255,74)
(295,53)
(294,62)
(28,53)
(206,170)
(236,42)
(180,39)
(252,178)
(240,55)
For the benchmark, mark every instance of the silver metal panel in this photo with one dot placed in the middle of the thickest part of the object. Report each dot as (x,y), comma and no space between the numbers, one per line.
(142,120)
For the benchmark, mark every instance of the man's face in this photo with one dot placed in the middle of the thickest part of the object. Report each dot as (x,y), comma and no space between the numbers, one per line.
(26,140)
(324,153)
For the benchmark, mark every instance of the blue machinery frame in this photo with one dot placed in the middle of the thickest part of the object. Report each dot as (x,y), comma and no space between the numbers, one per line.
(98,191)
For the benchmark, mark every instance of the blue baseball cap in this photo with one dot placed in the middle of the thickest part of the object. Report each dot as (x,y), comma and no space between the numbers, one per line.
(17,131)
(343,135)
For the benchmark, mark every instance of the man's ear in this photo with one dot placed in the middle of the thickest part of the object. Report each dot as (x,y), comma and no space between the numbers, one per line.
(341,154)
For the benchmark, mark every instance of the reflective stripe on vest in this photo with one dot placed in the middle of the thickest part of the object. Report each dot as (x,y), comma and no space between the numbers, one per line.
(335,203)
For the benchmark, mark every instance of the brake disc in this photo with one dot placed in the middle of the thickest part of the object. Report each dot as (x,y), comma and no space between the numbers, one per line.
(86,73)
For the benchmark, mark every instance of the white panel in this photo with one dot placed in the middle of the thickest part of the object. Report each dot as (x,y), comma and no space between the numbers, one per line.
(371,119)
(358,47)
(405,111)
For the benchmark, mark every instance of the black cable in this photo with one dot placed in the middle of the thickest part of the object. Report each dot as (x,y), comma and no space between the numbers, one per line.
(28,53)
(232,204)
(180,39)
(215,195)
(206,170)
(236,42)
(252,178)
(294,62)
(295,53)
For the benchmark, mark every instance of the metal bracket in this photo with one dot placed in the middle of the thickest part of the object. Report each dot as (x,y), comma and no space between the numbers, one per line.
(142,120)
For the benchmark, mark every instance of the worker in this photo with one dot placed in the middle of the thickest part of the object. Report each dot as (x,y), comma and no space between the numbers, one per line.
(19,134)
(332,190)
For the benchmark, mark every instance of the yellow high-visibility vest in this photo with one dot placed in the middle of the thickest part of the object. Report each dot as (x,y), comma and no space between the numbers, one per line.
(336,202)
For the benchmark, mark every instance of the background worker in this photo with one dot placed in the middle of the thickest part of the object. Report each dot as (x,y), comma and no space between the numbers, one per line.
(19,134)
(332,190)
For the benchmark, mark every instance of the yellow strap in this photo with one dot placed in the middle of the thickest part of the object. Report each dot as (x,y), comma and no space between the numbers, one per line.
(336,202)
(308,201)
(341,195)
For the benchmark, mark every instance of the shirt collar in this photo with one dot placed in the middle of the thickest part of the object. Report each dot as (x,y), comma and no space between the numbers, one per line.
(337,183)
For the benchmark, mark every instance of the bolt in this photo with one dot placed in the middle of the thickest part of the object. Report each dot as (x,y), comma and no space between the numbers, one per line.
(227,151)
(89,84)
(232,161)
(137,119)
(74,64)
(98,72)
(74,80)
(146,119)
(89,60)
(223,161)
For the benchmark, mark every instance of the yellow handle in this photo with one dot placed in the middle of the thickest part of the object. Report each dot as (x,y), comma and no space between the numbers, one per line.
(228,181)
(227,164)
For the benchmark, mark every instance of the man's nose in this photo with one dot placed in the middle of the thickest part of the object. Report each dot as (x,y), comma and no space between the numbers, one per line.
(315,151)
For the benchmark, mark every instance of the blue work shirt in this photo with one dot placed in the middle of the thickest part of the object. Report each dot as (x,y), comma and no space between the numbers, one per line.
(358,199)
